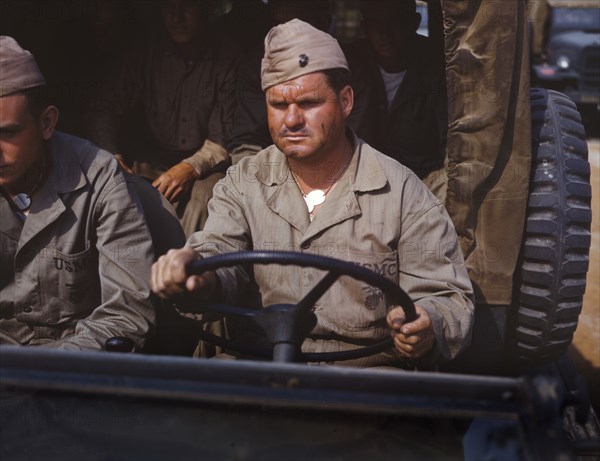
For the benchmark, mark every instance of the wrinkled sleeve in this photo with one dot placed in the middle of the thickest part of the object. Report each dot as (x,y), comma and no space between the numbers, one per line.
(226,231)
(433,273)
(125,256)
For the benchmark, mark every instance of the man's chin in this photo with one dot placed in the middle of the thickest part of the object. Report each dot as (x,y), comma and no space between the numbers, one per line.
(291,151)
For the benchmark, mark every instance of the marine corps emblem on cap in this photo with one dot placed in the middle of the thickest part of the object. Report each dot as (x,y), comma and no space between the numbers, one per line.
(294,49)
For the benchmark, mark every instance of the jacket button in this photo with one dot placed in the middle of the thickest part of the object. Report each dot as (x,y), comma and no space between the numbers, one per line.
(305,246)
(27,309)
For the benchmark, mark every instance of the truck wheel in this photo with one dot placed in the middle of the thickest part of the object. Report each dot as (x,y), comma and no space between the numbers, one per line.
(555,252)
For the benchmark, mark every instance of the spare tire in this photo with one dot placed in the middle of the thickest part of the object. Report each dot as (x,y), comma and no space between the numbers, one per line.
(555,251)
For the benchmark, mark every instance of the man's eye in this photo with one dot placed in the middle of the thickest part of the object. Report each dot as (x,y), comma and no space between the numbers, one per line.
(8,133)
(278,105)
(308,104)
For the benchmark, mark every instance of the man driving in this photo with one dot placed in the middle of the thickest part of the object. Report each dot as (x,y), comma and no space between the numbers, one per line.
(321,190)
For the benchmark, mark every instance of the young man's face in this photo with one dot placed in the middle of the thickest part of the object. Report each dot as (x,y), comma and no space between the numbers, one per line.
(306,117)
(183,19)
(21,140)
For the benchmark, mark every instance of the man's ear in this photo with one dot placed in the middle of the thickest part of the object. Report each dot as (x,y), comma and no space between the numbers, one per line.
(48,121)
(347,100)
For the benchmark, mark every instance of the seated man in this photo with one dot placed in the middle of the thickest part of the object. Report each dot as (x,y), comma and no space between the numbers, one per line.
(76,250)
(322,190)
(400,90)
(168,109)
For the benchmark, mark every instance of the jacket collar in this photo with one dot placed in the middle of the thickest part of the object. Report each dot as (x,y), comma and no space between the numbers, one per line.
(273,172)
(65,176)
(65,173)
(371,176)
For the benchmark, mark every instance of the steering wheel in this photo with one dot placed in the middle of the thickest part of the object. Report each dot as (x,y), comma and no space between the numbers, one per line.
(287,325)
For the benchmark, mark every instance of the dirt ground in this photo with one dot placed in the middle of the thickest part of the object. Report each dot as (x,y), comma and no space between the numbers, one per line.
(585,349)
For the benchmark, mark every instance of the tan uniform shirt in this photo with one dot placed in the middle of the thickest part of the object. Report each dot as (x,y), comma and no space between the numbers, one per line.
(77,271)
(379,215)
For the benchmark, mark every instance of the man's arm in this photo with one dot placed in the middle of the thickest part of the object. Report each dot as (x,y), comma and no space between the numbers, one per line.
(212,155)
(226,230)
(433,273)
(171,276)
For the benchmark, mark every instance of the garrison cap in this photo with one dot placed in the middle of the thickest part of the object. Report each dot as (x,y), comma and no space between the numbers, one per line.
(296,48)
(18,69)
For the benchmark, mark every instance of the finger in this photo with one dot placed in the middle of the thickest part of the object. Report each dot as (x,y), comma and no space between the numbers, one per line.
(412,350)
(175,194)
(165,279)
(408,339)
(157,181)
(195,283)
(171,191)
(422,322)
(177,267)
(404,349)
(396,318)
(162,187)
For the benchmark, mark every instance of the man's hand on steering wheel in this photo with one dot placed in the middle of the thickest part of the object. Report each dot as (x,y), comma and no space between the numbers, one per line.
(170,276)
(413,339)
(286,325)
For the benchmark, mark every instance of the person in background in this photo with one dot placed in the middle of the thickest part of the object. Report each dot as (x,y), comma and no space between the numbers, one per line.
(168,110)
(400,90)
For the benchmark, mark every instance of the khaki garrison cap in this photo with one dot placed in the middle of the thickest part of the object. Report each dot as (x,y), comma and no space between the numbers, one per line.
(296,48)
(18,69)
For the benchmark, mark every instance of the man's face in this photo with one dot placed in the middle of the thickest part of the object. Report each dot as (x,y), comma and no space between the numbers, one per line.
(306,117)
(183,19)
(391,32)
(21,140)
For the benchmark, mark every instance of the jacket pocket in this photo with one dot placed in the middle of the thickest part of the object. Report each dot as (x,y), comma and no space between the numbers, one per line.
(70,285)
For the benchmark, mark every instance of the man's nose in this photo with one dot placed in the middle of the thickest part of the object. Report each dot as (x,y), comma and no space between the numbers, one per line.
(293,117)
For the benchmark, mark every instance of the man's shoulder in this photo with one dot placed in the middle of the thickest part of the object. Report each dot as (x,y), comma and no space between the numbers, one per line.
(401,180)
(267,167)
(82,149)
(270,155)
(70,151)
(389,165)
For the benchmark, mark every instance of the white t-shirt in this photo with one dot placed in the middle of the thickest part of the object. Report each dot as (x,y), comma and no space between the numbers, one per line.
(392,82)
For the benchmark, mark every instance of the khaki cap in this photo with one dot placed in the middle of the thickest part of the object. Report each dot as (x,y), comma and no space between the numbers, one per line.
(18,69)
(296,48)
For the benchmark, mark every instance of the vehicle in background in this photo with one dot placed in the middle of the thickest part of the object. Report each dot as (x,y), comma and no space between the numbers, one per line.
(570,58)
